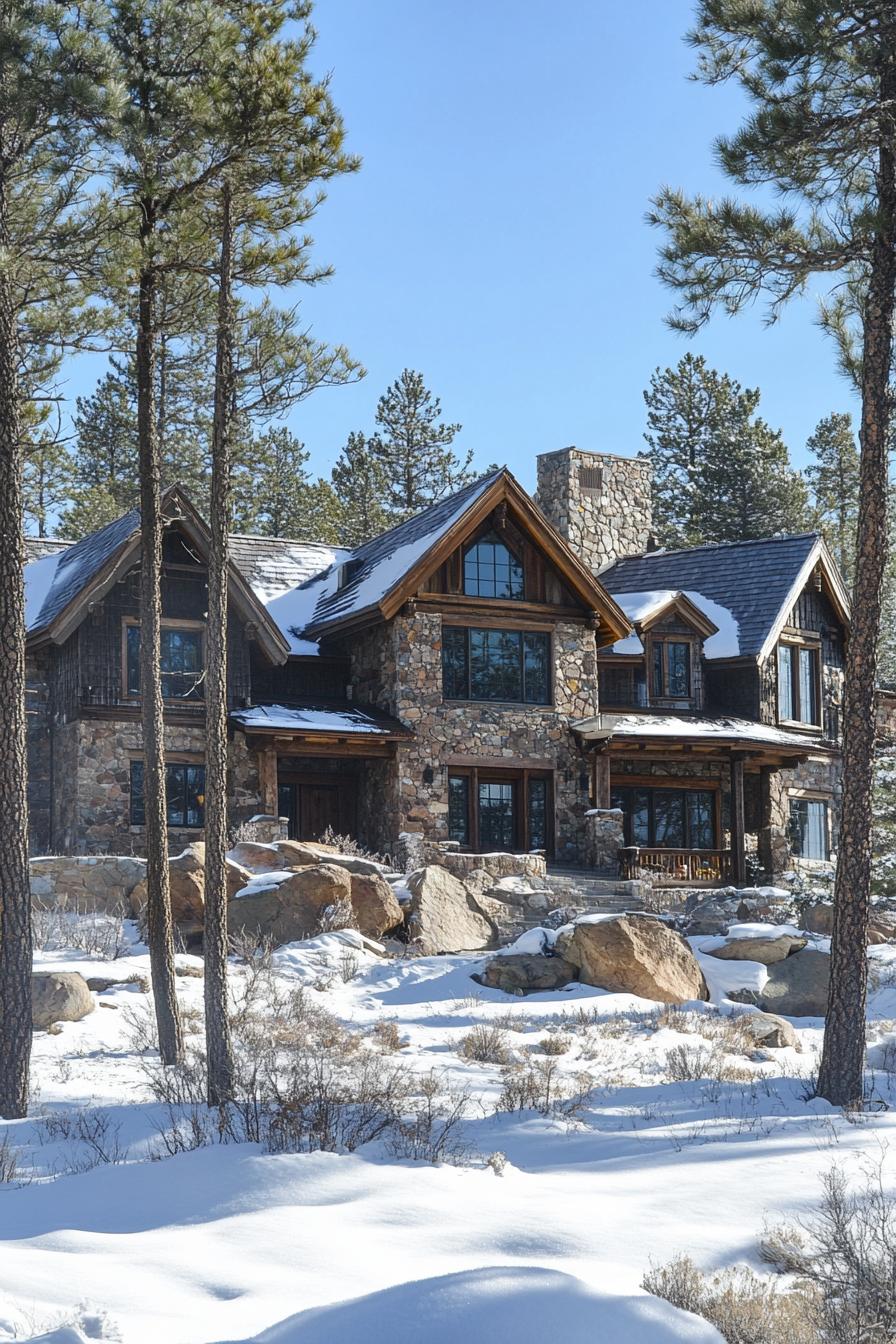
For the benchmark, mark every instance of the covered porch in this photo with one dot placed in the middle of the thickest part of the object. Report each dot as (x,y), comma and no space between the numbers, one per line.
(694,794)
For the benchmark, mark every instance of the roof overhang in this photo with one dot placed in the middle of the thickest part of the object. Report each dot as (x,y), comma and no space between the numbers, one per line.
(689,734)
(818,558)
(610,621)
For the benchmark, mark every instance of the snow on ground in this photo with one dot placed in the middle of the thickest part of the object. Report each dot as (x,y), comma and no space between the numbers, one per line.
(664,1141)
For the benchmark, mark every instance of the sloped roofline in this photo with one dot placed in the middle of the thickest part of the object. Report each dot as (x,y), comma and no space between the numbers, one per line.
(819,555)
(587,588)
(176,506)
(680,601)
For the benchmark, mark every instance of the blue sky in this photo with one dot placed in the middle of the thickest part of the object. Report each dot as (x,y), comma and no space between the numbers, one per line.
(495,237)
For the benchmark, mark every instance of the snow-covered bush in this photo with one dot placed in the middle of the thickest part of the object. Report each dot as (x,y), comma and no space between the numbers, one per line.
(62,926)
(743,1306)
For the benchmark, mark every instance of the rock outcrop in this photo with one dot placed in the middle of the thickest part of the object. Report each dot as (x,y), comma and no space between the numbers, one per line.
(58,996)
(766,949)
(444,916)
(798,986)
(376,907)
(291,909)
(633,954)
(523,973)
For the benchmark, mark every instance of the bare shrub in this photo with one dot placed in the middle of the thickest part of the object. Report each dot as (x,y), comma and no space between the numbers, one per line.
(95,1138)
(348,845)
(9,1165)
(247,832)
(744,1307)
(60,925)
(554,1044)
(434,1130)
(387,1036)
(339,915)
(349,965)
(688,1063)
(486,1045)
(540,1085)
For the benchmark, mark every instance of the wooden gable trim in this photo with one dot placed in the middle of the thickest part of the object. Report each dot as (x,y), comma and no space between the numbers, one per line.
(688,610)
(613,624)
(819,557)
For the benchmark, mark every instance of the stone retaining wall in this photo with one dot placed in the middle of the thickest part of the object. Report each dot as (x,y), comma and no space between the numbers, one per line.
(86,882)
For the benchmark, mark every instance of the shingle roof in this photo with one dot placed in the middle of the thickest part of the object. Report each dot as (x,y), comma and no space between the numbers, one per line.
(273,565)
(753,579)
(53,581)
(387,558)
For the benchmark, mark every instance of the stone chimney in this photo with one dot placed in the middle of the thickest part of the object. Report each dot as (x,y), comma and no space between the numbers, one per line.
(599,502)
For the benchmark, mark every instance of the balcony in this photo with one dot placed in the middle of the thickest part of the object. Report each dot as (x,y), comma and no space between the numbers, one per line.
(677,867)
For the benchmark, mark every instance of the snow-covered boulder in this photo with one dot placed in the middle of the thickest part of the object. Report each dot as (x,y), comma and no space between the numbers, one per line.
(375,905)
(757,942)
(288,906)
(58,996)
(633,954)
(798,986)
(444,916)
(768,1031)
(526,973)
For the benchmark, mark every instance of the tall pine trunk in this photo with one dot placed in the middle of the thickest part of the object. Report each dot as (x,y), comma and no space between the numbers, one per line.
(217,1025)
(158,891)
(841,1076)
(15,893)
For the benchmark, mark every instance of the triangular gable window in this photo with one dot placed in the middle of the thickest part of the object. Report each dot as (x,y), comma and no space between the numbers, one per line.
(492,570)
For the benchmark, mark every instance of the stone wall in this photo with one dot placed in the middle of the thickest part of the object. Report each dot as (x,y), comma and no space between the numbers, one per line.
(413,795)
(599,502)
(604,838)
(92,807)
(86,883)
(40,750)
(821,776)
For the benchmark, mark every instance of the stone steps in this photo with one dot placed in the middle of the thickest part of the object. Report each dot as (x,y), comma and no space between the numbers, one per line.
(584,891)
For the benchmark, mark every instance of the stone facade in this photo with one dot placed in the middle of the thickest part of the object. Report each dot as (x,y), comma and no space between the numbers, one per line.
(604,838)
(398,667)
(86,883)
(92,814)
(819,777)
(600,503)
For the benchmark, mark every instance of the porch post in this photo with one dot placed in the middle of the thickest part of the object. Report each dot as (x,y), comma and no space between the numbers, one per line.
(267,779)
(738,851)
(601,779)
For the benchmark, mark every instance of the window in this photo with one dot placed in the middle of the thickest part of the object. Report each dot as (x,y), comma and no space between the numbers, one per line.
(182,661)
(491,570)
(459,809)
(625,685)
(798,666)
(510,665)
(809,828)
(492,810)
(671,669)
(668,818)
(185,793)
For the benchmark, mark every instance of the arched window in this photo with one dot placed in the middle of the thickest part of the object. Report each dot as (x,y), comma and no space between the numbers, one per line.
(491,570)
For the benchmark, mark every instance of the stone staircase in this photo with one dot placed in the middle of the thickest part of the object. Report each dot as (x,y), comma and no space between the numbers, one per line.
(579,889)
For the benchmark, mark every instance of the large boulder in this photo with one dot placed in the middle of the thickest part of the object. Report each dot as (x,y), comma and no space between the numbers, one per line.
(766,948)
(881,926)
(258,858)
(375,904)
(798,986)
(522,973)
(291,909)
(58,996)
(634,954)
(767,1031)
(444,916)
(818,918)
(237,878)
(187,878)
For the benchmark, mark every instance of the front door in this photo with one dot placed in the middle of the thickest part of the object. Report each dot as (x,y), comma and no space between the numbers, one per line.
(315,805)
(498,815)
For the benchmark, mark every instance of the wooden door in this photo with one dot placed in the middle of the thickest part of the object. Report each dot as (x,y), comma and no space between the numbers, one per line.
(319,809)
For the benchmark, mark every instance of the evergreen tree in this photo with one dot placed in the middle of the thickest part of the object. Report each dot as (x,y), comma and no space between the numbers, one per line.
(820,78)
(270,485)
(834,479)
(720,472)
(359,482)
(47,479)
(413,444)
(104,458)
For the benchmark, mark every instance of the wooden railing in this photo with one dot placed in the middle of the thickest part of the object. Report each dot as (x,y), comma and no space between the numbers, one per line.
(667,866)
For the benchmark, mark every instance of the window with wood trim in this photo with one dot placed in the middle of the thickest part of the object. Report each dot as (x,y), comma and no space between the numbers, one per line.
(184,792)
(496,664)
(809,828)
(668,818)
(492,570)
(670,669)
(624,686)
(182,660)
(493,810)
(799,676)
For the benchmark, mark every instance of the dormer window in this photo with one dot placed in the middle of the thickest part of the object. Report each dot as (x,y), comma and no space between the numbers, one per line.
(492,570)
(347,572)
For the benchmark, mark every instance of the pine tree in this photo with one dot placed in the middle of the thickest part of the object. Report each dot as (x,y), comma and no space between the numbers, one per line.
(820,79)
(720,472)
(359,482)
(47,479)
(413,444)
(834,479)
(51,77)
(271,484)
(104,458)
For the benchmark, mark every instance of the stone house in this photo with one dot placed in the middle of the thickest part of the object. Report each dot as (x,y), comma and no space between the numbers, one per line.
(498,672)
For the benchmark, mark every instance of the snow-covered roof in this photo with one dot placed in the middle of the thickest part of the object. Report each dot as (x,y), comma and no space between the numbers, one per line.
(688,728)
(342,719)
(289,577)
(640,606)
(53,581)
(756,582)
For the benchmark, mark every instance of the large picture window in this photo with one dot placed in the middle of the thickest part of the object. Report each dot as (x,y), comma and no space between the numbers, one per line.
(512,665)
(185,793)
(667,818)
(809,828)
(798,699)
(492,570)
(181,661)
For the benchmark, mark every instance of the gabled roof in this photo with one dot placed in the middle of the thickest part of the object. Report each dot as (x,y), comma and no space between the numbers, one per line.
(288,577)
(757,581)
(387,570)
(60,587)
